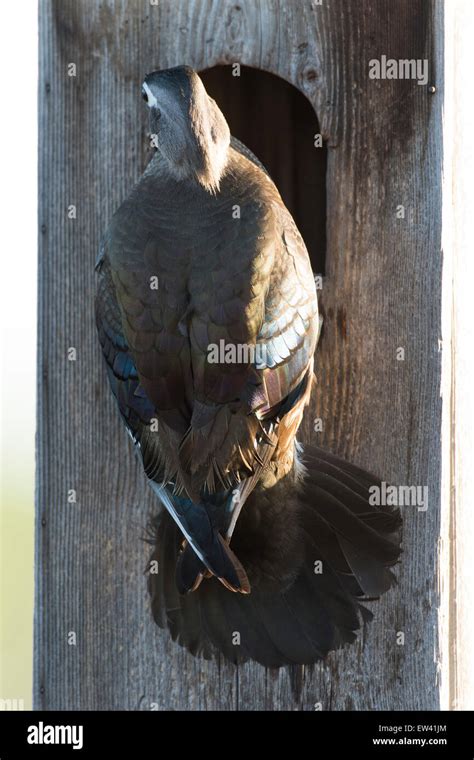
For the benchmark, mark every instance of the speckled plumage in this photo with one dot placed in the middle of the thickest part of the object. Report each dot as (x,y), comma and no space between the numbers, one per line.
(205,254)
(242,281)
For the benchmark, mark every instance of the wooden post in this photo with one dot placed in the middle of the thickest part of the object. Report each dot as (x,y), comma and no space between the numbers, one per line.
(379,363)
(457,531)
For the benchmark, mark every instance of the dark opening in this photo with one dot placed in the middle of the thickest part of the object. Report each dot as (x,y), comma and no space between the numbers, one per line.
(279,125)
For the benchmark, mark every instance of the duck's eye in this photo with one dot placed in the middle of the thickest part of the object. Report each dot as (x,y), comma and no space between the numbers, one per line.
(145,96)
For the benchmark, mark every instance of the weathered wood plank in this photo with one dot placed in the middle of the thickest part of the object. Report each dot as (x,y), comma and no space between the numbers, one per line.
(382,291)
(457,609)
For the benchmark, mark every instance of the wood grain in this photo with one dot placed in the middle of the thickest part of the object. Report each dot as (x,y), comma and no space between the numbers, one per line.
(382,291)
